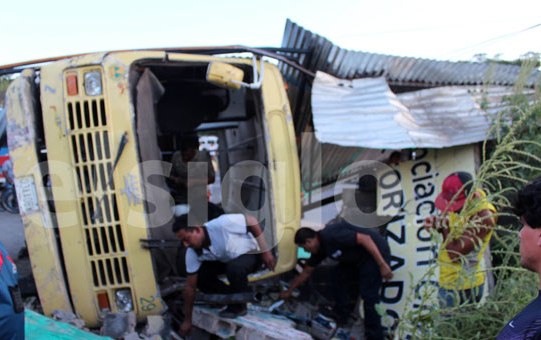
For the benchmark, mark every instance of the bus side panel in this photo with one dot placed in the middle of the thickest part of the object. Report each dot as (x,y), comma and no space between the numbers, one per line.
(284,167)
(34,210)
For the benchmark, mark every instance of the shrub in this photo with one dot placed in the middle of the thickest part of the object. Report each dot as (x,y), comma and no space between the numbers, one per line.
(510,159)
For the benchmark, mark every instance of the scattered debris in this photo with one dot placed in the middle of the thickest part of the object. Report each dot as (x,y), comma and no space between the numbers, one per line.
(155,325)
(31,303)
(38,326)
(132,336)
(118,325)
(69,318)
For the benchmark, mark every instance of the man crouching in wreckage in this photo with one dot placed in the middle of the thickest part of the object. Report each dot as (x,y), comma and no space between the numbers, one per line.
(233,244)
(362,252)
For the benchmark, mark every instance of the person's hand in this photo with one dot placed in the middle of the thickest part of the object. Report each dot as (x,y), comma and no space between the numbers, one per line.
(286,294)
(429,222)
(386,271)
(185,328)
(268,260)
(436,222)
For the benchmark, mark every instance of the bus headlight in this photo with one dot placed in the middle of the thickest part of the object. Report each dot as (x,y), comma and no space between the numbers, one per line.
(93,83)
(123,299)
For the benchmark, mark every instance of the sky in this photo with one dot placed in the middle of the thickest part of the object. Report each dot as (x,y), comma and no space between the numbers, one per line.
(450,30)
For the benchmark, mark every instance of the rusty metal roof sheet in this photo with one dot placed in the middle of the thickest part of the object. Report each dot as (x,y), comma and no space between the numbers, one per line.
(366,113)
(402,73)
(327,57)
(406,72)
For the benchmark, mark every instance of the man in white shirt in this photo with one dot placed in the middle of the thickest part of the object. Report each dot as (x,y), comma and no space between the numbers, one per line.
(232,244)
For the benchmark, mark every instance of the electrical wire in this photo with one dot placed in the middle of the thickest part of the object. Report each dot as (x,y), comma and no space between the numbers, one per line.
(505,36)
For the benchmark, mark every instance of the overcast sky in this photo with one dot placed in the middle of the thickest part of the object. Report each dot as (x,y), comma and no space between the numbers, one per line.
(450,30)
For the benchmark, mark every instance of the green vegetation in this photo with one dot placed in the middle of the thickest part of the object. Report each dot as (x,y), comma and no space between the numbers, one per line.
(4,83)
(527,57)
(510,159)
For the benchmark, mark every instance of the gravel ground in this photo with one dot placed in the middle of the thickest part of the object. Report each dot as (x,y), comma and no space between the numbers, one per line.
(11,232)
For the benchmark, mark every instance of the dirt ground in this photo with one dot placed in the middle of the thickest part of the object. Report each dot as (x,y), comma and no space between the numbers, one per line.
(11,232)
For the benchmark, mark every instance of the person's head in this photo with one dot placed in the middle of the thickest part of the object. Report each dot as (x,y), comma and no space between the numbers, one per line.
(394,158)
(189,144)
(190,234)
(366,194)
(454,191)
(528,208)
(307,239)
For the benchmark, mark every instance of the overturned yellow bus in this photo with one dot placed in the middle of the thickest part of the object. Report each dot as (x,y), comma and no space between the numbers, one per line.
(91,138)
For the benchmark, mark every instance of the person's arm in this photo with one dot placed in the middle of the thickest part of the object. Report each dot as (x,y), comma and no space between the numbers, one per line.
(252,225)
(367,243)
(189,298)
(471,237)
(204,156)
(197,178)
(210,169)
(174,176)
(297,281)
(196,182)
(430,223)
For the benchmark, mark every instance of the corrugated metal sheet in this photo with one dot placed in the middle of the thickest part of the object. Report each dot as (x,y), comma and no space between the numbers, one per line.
(347,64)
(353,113)
(321,163)
(366,113)
(322,55)
(402,73)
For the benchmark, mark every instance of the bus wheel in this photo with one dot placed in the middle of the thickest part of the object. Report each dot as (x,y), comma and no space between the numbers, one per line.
(9,201)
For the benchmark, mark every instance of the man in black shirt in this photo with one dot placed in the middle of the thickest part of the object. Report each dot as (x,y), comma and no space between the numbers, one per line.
(527,323)
(358,250)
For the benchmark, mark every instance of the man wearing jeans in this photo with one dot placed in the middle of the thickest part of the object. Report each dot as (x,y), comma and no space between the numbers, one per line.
(232,244)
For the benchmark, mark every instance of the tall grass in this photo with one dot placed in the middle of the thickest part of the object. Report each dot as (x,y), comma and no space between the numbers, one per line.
(511,158)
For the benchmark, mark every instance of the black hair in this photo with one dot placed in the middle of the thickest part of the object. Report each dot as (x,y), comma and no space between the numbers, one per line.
(528,204)
(466,180)
(181,222)
(190,141)
(368,184)
(303,234)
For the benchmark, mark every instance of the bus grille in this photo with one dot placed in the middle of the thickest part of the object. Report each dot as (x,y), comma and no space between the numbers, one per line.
(93,162)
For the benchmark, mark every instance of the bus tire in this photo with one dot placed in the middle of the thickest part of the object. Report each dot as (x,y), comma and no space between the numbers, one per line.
(9,201)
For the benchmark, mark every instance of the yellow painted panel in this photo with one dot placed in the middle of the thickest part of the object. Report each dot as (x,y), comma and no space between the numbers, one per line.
(284,164)
(65,191)
(81,237)
(36,217)
(78,127)
(129,186)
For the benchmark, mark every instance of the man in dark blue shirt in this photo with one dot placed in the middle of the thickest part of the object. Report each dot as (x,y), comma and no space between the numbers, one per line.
(11,305)
(527,323)
(357,250)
